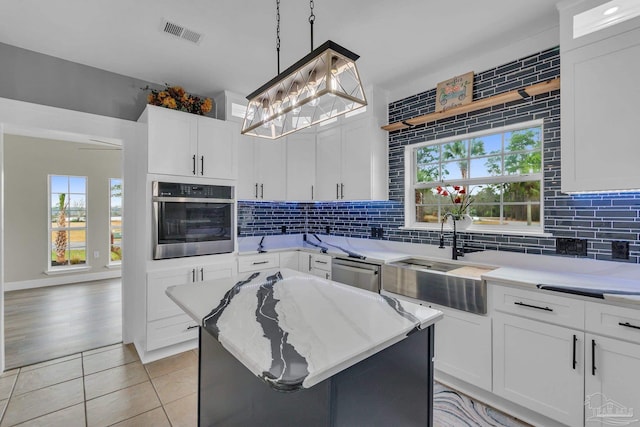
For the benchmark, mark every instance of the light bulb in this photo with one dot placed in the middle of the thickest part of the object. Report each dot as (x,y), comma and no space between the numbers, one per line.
(334,81)
(265,112)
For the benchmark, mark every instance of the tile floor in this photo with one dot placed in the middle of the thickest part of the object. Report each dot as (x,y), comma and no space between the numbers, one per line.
(107,386)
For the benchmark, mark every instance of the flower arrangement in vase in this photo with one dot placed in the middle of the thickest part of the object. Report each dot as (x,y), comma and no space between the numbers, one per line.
(175,98)
(460,200)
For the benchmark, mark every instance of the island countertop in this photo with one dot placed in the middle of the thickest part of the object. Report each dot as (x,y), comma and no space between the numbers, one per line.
(294,330)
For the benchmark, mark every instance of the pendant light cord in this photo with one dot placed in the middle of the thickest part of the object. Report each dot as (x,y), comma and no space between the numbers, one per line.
(312,19)
(278,33)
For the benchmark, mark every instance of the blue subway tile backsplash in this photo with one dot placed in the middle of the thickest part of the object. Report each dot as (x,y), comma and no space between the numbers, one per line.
(599,218)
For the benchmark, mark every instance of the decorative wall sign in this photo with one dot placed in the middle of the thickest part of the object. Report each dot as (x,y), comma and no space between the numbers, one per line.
(454,92)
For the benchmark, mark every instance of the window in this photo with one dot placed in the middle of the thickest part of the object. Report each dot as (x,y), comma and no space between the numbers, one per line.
(115,220)
(500,169)
(67,221)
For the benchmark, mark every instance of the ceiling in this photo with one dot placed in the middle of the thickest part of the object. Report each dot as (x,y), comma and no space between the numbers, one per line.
(397,41)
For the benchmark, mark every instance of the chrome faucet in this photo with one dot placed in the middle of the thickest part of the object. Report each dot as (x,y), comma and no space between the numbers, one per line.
(454,240)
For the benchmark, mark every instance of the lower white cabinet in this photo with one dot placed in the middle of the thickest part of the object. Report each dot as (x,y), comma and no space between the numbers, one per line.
(539,366)
(166,322)
(315,264)
(612,378)
(463,346)
(289,260)
(258,262)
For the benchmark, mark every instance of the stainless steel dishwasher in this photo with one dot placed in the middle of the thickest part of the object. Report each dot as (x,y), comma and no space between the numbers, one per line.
(360,274)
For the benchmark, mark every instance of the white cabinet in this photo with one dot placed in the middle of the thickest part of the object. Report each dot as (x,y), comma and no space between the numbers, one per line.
(351,162)
(463,346)
(611,381)
(315,264)
(189,145)
(262,169)
(166,322)
(289,260)
(599,105)
(539,366)
(258,262)
(301,166)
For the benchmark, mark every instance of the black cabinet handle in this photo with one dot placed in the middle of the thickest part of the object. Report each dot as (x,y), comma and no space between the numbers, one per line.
(262,191)
(575,339)
(628,325)
(309,262)
(202,165)
(201,273)
(194,164)
(191,327)
(256,190)
(533,306)
(342,191)
(321,262)
(312,192)
(260,262)
(193,275)
(593,357)
(337,191)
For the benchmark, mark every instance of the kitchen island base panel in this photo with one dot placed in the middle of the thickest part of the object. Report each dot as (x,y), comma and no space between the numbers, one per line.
(392,387)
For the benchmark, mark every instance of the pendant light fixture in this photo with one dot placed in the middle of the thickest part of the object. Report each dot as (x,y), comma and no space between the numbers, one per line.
(322,85)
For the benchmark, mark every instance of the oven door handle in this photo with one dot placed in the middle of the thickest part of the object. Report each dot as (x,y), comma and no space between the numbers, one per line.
(190,200)
(356,269)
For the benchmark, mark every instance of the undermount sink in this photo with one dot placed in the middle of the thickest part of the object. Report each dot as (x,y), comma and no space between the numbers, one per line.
(445,283)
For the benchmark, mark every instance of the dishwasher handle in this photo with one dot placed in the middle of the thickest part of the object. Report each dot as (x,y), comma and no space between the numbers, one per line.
(356,269)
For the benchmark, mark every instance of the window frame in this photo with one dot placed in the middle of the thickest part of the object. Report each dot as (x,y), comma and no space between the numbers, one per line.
(51,230)
(117,262)
(411,184)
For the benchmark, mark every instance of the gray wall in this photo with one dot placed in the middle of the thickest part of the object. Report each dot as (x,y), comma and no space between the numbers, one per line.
(28,162)
(41,79)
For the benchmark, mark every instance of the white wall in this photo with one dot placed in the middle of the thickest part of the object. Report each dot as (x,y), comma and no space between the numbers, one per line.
(27,163)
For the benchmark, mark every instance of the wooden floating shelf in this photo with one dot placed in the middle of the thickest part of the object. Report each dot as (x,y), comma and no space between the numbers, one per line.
(514,95)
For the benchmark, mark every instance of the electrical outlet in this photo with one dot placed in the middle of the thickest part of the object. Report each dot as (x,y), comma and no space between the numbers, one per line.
(376,232)
(283,229)
(568,246)
(96,254)
(619,250)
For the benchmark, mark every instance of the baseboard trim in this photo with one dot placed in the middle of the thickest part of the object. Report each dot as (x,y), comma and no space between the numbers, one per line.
(60,280)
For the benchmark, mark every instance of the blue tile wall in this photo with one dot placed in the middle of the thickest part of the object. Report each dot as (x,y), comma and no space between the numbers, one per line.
(599,218)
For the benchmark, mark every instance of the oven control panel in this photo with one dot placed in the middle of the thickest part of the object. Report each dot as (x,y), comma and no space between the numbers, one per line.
(199,191)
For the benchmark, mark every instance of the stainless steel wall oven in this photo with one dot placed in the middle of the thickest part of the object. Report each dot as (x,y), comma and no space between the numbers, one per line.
(192,219)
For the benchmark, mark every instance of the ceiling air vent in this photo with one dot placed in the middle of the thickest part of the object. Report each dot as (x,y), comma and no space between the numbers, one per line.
(180,31)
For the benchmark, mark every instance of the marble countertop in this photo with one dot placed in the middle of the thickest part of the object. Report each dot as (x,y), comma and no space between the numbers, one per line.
(294,330)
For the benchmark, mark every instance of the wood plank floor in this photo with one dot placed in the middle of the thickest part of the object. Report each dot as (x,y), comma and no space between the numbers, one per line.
(47,323)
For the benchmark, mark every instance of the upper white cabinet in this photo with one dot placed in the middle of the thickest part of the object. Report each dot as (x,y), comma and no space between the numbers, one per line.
(599,105)
(190,145)
(301,166)
(351,162)
(262,171)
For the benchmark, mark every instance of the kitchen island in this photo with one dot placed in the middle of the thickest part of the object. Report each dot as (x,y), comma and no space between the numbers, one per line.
(284,348)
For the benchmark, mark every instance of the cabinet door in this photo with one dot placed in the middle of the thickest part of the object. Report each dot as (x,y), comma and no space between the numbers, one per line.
(173,136)
(463,346)
(533,365)
(216,149)
(301,166)
(217,271)
(356,163)
(289,260)
(599,115)
(328,164)
(270,158)
(304,262)
(159,305)
(612,393)
(247,188)
(320,273)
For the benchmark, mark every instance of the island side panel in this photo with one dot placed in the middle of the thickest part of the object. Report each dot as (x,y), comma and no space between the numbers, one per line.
(230,395)
(391,388)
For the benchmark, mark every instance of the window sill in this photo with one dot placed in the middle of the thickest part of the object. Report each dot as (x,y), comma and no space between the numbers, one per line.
(66,270)
(114,266)
(480,230)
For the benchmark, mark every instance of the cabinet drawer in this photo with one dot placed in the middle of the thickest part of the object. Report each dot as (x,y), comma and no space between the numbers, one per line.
(170,331)
(617,322)
(539,306)
(321,262)
(258,262)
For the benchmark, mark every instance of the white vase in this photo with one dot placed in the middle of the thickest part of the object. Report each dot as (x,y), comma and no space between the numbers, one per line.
(462,222)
